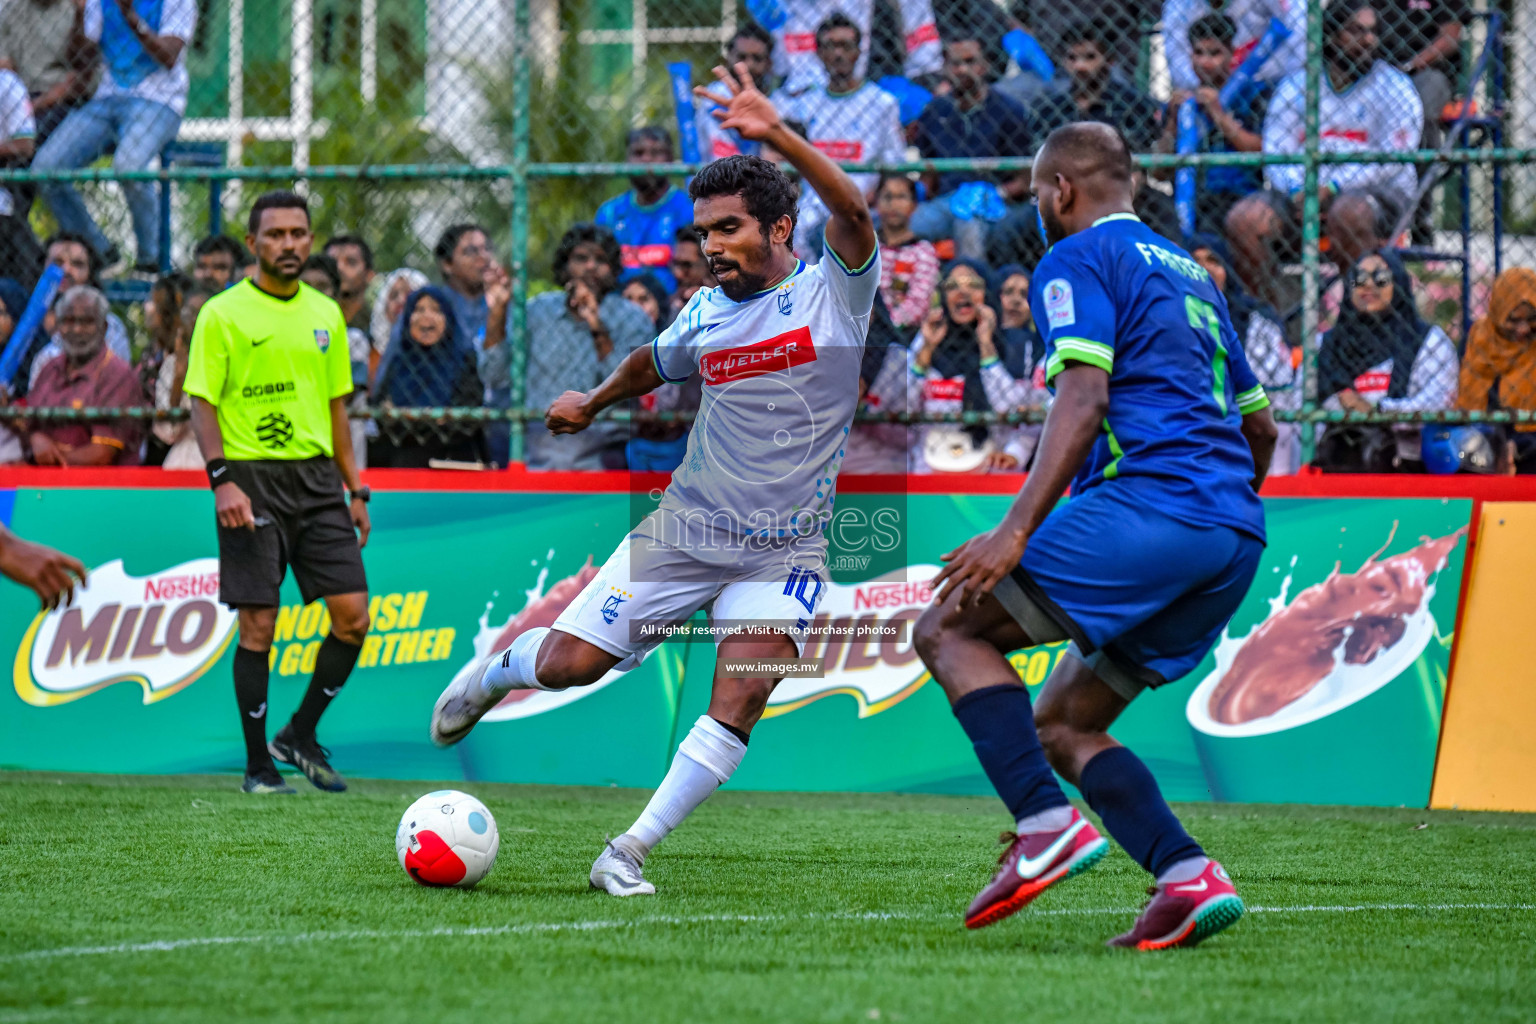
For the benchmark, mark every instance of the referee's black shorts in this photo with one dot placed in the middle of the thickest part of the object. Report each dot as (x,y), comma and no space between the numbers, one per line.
(301,521)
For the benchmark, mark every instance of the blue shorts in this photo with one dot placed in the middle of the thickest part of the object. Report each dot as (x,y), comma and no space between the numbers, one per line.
(1142,596)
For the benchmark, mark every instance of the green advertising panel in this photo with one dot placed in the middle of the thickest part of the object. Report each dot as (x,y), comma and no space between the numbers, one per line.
(1326,688)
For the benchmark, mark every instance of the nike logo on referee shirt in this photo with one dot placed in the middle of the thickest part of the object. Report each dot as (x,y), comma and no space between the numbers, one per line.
(260,341)
(1029,867)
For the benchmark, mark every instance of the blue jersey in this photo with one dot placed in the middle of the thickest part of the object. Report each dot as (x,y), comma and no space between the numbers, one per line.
(646,233)
(1123,298)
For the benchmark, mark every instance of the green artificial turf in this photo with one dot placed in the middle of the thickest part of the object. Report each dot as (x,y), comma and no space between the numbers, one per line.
(770,907)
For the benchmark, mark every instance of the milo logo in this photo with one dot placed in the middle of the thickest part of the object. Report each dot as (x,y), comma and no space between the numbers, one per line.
(161,631)
(877,673)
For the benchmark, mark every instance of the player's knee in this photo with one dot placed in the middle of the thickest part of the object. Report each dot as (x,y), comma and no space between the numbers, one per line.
(928,634)
(256,628)
(562,664)
(351,627)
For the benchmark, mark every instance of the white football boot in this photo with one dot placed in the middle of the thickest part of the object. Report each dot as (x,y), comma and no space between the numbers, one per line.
(464,702)
(617,872)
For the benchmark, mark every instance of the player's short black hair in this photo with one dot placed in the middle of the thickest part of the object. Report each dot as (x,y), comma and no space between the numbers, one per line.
(837,19)
(281,199)
(353,240)
(752,30)
(1215,26)
(1086,147)
(223,243)
(448,241)
(686,233)
(1085,30)
(767,191)
(582,232)
(900,179)
(326,265)
(652,133)
(92,257)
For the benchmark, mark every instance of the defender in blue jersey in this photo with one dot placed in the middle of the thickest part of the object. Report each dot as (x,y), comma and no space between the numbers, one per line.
(1165,436)
(646,218)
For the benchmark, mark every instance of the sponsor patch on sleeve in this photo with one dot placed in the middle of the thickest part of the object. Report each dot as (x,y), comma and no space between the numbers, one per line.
(1059,310)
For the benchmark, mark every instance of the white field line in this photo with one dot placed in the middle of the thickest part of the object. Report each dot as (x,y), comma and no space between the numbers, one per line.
(542,927)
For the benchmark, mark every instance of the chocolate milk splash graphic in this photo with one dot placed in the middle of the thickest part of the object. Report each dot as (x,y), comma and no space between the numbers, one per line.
(1347,619)
(542,609)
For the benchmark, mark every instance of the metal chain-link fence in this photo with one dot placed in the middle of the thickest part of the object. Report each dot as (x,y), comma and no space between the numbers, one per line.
(1356,176)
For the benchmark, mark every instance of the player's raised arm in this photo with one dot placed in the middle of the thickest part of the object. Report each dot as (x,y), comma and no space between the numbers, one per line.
(850,229)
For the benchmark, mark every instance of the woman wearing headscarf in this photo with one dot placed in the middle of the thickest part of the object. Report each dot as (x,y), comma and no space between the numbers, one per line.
(1022,351)
(1499,371)
(953,365)
(1381,355)
(1258,326)
(423,368)
(395,289)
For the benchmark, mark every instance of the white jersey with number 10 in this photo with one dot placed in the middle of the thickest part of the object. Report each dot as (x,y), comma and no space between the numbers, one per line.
(781,382)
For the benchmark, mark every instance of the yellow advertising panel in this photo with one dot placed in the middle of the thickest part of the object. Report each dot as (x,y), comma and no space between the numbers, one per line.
(1488,746)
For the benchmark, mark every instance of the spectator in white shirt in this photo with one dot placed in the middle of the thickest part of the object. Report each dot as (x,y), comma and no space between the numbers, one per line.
(752,46)
(795,57)
(19,254)
(1365,106)
(848,119)
(137,108)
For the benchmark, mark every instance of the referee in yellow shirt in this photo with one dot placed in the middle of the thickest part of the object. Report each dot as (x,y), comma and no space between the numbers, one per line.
(269,374)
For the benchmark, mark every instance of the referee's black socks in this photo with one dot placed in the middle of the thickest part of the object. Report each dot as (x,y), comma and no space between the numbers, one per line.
(251,694)
(333,664)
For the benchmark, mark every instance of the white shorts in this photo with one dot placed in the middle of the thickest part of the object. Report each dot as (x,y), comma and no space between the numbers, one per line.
(646,584)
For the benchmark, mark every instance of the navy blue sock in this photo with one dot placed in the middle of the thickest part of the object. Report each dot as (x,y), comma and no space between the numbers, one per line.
(1001,726)
(1124,795)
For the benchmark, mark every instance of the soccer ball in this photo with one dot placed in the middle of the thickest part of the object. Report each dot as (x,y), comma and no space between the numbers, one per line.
(447,838)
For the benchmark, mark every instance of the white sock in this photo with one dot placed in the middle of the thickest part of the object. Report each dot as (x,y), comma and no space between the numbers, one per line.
(1186,870)
(1053,820)
(706,758)
(515,670)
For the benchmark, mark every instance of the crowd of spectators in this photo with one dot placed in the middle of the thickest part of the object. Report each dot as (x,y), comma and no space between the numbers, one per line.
(952,330)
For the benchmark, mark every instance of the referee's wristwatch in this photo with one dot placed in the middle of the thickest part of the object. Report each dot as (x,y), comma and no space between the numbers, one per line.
(363,494)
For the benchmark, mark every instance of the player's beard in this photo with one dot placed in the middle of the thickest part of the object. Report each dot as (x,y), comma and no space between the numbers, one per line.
(743,284)
(1050,224)
(279,273)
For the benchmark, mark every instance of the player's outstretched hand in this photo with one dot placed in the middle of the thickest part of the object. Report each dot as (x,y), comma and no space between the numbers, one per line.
(975,567)
(569,414)
(52,574)
(748,112)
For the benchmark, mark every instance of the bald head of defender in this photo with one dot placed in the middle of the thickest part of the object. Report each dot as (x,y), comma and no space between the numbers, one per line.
(1081,174)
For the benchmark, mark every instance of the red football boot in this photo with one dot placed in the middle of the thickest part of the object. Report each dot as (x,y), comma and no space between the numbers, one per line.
(1032,864)
(1185,913)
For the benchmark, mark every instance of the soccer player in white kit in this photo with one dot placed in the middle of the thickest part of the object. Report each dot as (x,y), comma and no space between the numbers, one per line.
(741,527)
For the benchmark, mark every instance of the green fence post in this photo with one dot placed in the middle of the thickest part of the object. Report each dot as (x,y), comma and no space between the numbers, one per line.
(517,316)
(1310,232)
